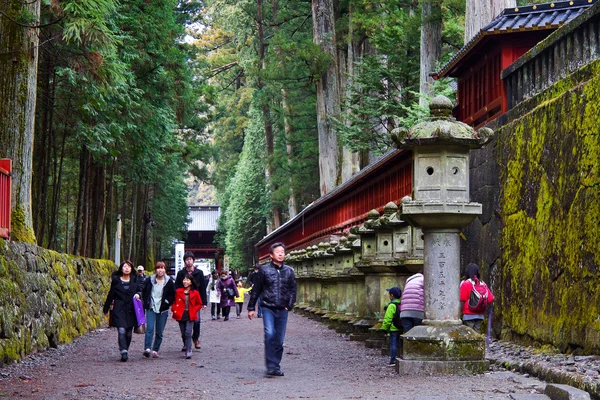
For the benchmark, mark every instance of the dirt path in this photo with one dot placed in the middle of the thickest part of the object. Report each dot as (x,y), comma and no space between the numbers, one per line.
(318,364)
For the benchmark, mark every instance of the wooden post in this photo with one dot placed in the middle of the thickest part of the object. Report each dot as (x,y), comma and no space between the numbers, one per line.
(5,196)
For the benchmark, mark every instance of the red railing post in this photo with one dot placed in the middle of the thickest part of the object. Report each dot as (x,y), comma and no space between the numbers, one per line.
(5,196)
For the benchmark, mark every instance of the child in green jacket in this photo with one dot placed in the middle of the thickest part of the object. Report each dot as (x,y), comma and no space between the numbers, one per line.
(389,323)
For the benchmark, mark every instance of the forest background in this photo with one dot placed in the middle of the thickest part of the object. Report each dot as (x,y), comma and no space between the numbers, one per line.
(118,108)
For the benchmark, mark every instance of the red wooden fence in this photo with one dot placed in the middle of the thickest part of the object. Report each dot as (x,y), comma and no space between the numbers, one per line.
(5,193)
(389,179)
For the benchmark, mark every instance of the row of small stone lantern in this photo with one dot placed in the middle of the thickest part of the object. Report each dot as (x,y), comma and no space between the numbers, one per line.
(343,282)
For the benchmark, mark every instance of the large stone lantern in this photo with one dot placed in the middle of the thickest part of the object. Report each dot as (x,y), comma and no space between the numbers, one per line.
(441,208)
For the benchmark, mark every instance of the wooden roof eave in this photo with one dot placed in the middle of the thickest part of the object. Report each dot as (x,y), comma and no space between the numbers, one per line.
(454,65)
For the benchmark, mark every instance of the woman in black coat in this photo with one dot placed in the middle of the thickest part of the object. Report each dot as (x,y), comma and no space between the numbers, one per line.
(124,286)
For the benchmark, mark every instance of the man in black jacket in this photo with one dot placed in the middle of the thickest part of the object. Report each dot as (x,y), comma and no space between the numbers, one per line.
(276,286)
(198,283)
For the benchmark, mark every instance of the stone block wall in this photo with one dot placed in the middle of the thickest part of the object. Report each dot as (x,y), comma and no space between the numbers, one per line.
(537,241)
(47,298)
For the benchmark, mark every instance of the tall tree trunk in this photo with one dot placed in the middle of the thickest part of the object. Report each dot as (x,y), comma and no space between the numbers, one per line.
(41,153)
(134,192)
(87,207)
(58,187)
(111,206)
(18,86)
(148,261)
(328,97)
(99,212)
(431,45)
(269,137)
(78,235)
(350,160)
(289,130)
(479,13)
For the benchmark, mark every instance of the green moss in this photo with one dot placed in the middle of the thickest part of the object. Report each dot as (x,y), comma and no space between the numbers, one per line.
(19,231)
(550,204)
(48,302)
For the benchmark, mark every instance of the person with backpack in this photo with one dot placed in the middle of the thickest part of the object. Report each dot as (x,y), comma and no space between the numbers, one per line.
(475,296)
(391,321)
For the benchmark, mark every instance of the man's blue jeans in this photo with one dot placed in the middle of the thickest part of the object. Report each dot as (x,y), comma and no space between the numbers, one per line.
(394,338)
(155,323)
(275,322)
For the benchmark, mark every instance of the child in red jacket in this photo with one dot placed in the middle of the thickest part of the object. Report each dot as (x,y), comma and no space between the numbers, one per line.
(185,311)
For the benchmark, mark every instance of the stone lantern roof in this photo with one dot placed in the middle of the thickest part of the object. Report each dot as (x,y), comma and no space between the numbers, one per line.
(441,128)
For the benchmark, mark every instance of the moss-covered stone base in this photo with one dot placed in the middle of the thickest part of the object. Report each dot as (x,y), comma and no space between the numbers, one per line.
(436,343)
(47,298)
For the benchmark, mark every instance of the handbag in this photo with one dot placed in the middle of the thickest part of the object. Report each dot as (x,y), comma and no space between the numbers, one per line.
(229,292)
(138,306)
(140,329)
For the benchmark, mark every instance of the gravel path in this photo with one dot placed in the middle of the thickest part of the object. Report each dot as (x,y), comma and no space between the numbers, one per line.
(318,364)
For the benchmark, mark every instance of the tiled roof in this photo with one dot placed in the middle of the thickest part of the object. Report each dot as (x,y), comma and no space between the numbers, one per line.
(204,218)
(521,19)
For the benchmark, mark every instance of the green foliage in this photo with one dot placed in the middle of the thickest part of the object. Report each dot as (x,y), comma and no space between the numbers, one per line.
(248,204)
(120,88)
(384,89)
(242,91)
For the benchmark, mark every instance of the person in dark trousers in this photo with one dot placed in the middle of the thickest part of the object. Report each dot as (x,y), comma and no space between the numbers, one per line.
(228,292)
(473,319)
(213,296)
(251,279)
(412,308)
(388,322)
(124,286)
(186,308)
(158,296)
(276,286)
(199,284)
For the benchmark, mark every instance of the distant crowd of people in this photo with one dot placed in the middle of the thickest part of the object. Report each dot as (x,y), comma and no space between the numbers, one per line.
(272,290)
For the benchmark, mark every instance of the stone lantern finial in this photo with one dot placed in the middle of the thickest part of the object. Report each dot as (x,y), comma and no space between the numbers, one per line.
(440,106)
(441,129)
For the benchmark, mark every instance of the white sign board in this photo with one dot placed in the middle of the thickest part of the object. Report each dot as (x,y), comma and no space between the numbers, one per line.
(179,251)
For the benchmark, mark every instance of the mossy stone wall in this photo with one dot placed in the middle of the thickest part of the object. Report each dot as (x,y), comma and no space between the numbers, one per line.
(538,240)
(47,298)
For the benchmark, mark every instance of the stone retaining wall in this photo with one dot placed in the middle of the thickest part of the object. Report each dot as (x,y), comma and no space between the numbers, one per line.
(537,240)
(47,298)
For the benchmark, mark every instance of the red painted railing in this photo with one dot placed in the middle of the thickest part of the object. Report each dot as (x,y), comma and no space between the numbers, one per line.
(5,193)
(388,179)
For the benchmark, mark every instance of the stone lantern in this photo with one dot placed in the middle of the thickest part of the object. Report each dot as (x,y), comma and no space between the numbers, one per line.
(441,207)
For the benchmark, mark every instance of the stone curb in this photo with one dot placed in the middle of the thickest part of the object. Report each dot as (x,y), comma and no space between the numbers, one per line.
(565,392)
(551,375)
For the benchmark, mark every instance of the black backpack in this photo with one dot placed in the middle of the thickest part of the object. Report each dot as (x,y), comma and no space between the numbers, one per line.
(396,318)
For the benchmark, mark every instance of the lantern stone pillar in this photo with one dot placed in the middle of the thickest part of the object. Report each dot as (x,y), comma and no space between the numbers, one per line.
(441,207)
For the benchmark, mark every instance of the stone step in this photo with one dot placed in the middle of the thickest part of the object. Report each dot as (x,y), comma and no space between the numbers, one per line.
(565,392)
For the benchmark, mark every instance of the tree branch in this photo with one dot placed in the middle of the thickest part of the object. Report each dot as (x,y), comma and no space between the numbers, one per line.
(30,26)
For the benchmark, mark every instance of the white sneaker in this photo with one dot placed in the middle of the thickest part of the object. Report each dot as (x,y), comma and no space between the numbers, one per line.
(147,353)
